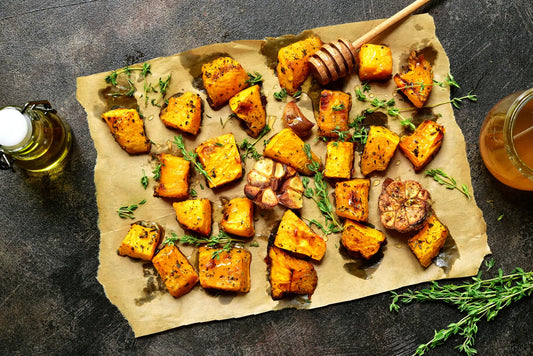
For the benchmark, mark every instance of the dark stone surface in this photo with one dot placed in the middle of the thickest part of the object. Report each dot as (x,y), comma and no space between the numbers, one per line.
(50,300)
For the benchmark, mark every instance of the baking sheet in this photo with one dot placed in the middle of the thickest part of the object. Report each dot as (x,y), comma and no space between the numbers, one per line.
(133,286)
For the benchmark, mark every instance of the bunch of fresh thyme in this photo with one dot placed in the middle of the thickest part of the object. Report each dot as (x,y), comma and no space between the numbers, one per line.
(191,157)
(222,239)
(480,299)
(320,196)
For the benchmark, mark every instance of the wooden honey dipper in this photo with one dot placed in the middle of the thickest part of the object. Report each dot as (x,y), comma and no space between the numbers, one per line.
(336,59)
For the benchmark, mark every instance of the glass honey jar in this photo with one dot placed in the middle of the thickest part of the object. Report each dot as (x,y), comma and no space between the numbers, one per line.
(506,140)
(33,138)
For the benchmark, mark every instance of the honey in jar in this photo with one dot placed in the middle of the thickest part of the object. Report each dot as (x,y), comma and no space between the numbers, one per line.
(506,140)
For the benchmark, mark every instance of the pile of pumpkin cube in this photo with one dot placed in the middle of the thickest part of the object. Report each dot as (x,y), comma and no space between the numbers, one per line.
(295,244)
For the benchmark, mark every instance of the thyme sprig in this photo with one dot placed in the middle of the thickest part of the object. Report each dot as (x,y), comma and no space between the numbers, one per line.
(126,211)
(449,81)
(249,147)
(360,133)
(320,195)
(191,157)
(163,87)
(157,172)
(222,240)
(480,299)
(456,102)
(113,76)
(442,178)
(387,106)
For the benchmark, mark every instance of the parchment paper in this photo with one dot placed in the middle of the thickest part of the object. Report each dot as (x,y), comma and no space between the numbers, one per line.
(133,285)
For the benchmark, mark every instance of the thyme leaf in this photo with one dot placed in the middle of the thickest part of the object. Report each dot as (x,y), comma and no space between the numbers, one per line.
(255,78)
(280,95)
(338,107)
(144,180)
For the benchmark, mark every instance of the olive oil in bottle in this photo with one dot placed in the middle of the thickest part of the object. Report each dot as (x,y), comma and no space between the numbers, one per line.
(34,138)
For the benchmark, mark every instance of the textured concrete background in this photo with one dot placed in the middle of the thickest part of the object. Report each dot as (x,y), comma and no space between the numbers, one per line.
(50,300)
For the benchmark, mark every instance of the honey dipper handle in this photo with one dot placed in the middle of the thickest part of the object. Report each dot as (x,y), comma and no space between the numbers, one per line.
(391,21)
(334,60)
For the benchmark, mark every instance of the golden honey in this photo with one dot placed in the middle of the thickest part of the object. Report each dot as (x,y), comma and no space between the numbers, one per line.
(506,140)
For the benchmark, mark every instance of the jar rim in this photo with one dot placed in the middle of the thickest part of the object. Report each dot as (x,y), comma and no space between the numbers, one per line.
(508,127)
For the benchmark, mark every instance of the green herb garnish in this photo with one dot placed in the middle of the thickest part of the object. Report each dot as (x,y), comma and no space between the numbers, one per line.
(112,78)
(193,193)
(144,180)
(191,157)
(338,107)
(280,95)
(157,172)
(480,299)
(320,195)
(126,211)
(249,147)
(223,240)
(442,178)
(255,78)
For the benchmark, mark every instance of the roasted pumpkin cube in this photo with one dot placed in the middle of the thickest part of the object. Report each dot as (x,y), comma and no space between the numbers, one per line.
(175,270)
(141,241)
(248,106)
(286,147)
(361,240)
(351,199)
(183,112)
(429,241)
(223,78)
(194,215)
(173,180)
(375,62)
(339,160)
(417,82)
(422,145)
(220,159)
(293,63)
(128,130)
(333,112)
(295,236)
(238,217)
(380,146)
(290,275)
(228,271)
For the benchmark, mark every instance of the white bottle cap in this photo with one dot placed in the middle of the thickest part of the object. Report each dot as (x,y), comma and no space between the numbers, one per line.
(15,127)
